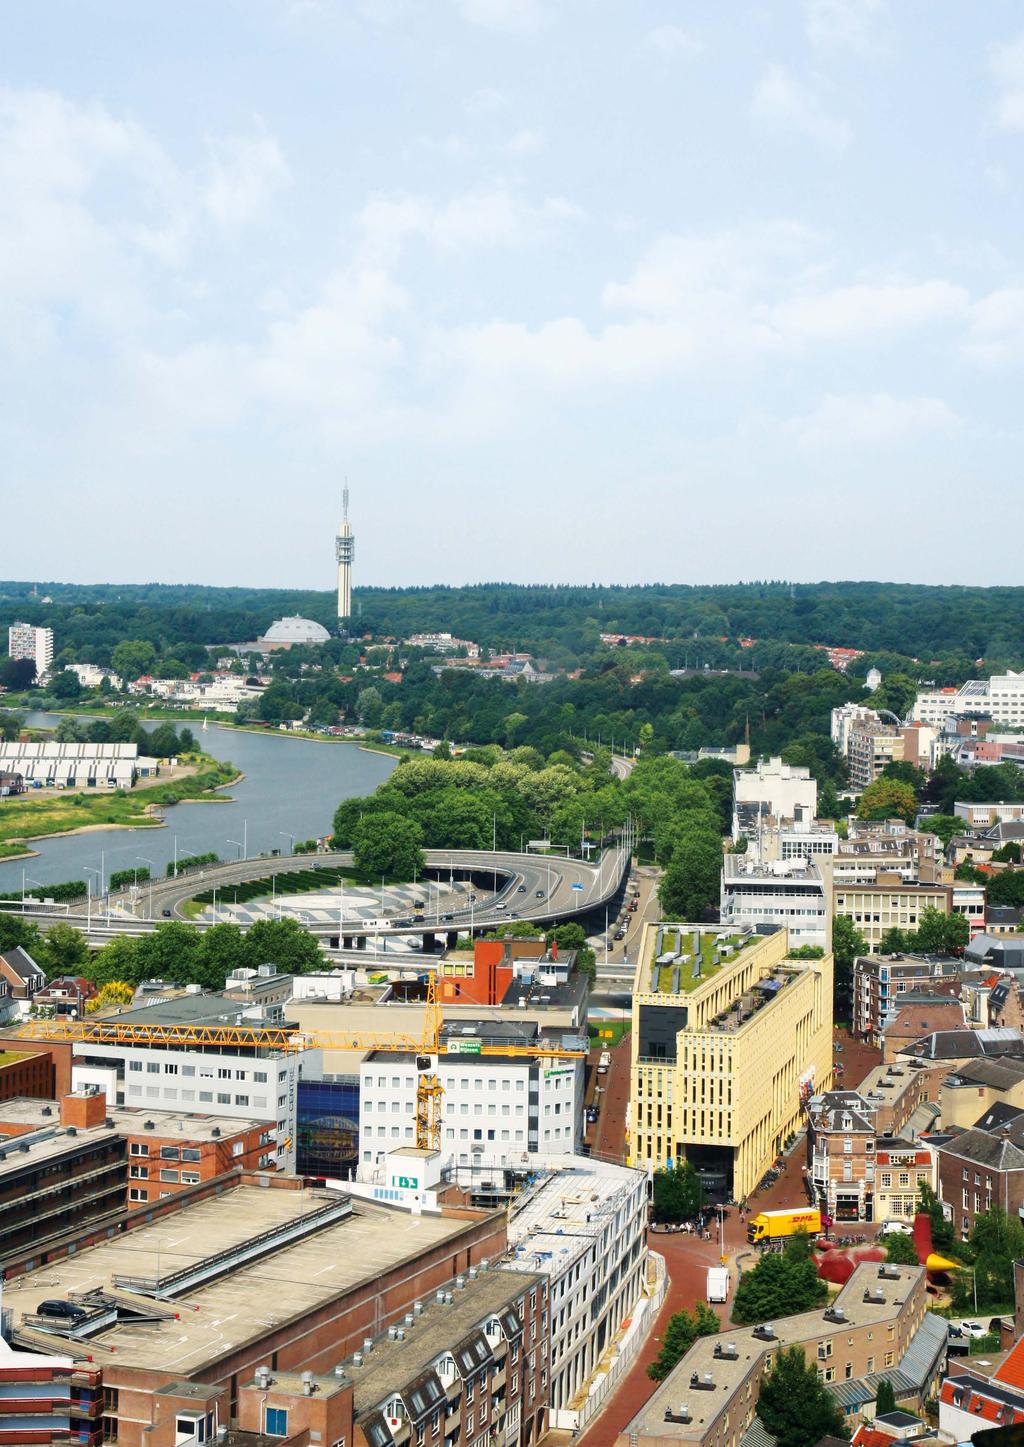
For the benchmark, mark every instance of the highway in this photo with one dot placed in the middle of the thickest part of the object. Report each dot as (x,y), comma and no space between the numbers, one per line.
(545,889)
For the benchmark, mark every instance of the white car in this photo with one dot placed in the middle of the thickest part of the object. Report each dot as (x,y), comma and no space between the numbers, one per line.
(972,1328)
(896,1228)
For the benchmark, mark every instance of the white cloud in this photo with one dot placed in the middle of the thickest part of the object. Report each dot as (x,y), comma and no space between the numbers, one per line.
(674,40)
(518,17)
(525,143)
(872,419)
(783,104)
(485,102)
(244,174)
(480,218)
(996,332)
(866,309)
(855,25)
(1006,62)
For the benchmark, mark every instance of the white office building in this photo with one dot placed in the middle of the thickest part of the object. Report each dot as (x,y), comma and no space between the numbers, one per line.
(584,1226)
(198,1082)
(847,717)
(1000,698)
(26,641)
(495,1109)
(772,793)
(794,893)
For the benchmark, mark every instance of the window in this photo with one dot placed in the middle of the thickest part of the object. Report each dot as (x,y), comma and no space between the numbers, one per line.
(138,1173)
(223,1099)
(139,1148)
(138,1193)
(135,1065)
(190,1178)
(169,1175)
(276,1422)
(189,1153)
(168,1153)
(152,1068)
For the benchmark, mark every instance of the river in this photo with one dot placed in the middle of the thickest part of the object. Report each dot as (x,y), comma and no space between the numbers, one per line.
(290,786)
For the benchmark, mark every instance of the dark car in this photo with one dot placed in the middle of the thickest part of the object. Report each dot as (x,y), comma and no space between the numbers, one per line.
(620,933)
(592,1114)
(67,1310)
(421,903)
(522,889)
(166,913)
(447,918)
(541,893)
(632,907)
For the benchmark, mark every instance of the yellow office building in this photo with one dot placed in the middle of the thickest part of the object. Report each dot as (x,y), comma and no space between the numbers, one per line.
(729,1037)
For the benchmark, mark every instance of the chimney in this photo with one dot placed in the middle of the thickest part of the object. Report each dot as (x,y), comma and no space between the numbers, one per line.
(83,1109)
(554,949)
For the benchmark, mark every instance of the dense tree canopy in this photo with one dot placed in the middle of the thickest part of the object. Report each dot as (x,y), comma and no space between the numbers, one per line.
(795,1405)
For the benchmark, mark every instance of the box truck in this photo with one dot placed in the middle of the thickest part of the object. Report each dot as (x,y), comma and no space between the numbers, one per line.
(777,1225)
(718,1283)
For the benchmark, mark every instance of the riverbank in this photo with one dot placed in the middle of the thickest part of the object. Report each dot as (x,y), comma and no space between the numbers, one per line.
(23,819)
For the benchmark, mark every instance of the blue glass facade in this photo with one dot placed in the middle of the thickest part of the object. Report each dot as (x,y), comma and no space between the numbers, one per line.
(328,1126)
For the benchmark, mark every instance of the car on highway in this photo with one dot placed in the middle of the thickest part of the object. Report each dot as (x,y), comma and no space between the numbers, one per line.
(422,903)
(541,893)
(166,913)
(522,889)
(447,918)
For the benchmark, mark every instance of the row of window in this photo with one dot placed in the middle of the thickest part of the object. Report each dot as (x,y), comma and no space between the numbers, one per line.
(206,1072)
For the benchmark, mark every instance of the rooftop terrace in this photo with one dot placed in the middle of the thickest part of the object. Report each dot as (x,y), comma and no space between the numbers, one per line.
(686,956)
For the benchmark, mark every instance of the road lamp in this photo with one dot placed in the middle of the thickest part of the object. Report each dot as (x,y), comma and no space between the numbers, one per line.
(291,837)
(143,860)
(25,878)
(88,896)
(239,846)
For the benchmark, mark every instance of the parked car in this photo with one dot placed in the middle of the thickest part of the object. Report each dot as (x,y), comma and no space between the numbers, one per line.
(620,933)
(896,1228)
(954,1330)
(973,1328)
(65,1310)
(592,1114)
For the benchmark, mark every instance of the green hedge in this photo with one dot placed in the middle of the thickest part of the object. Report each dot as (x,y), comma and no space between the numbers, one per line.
(121,878)
(190,863)
(65,893)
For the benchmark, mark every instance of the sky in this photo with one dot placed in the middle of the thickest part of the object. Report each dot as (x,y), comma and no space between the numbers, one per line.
(569,290)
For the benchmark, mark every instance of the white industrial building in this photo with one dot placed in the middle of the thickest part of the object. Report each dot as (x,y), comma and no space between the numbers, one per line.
(772,793)
(1000,698)
(495,1108)
(76,766)
(794,893)
(26,641)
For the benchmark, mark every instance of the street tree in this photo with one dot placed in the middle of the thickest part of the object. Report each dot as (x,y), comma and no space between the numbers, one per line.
(683,1329)
(899,1248)
(795,1405)
(281,942)
(777,1286)
(847,944)
(888,799)
(677,1193)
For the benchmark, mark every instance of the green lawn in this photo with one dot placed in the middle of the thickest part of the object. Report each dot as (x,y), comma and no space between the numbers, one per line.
(608,1033)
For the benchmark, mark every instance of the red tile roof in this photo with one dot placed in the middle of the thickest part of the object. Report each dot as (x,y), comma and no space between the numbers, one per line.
(1011,1371)
(871,1437)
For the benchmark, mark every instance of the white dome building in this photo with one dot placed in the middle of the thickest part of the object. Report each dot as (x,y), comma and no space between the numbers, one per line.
(286,632)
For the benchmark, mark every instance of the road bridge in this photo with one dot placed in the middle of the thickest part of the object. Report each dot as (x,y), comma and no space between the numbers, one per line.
(545,889)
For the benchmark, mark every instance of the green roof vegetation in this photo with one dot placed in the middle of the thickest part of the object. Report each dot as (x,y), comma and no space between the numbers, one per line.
(681,942)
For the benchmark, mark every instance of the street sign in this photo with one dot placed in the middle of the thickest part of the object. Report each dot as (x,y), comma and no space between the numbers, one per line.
(462,1047)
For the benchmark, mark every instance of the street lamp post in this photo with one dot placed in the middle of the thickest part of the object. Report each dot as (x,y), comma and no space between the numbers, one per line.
(239,846)
(142,859)
(291,837)
(88,897)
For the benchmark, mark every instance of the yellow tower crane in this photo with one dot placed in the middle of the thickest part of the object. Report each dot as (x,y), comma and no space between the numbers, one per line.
(424,1048)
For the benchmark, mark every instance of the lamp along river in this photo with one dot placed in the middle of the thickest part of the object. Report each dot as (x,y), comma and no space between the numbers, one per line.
(290,790)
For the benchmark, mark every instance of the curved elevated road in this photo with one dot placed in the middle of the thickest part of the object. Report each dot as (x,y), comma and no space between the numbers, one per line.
(542,888)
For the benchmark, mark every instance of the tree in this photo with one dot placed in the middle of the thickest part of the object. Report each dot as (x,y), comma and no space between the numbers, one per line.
(931,932)
(388,844)
(63,950)
(795,1405)
(110,995)
(682,1331)
(847,944)
(893,941)
(1007,887)
(899,1248)
(17,673)
(368,706)
(677,1193)
(132,658)
(284,943)
(888,799)
(15,931)
(692,881)
(513,724)
(65,684)
(777,1286)
(946,826)
(885,1397)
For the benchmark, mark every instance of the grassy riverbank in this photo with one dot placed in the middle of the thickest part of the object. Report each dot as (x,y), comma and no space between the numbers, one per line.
(23,818)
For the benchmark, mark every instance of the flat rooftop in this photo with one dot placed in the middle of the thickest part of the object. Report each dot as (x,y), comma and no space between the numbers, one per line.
(729,1375)
(22,1112)
(671,968)
(442,1324)
(558,1218)
(248,1301)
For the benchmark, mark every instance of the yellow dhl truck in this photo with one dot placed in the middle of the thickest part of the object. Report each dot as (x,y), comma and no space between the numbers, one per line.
(776,1225)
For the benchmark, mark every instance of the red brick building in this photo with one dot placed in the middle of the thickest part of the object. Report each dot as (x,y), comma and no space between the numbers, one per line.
(26,1073)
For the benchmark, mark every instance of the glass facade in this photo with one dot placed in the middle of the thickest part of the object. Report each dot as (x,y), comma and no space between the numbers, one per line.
(328,1126)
